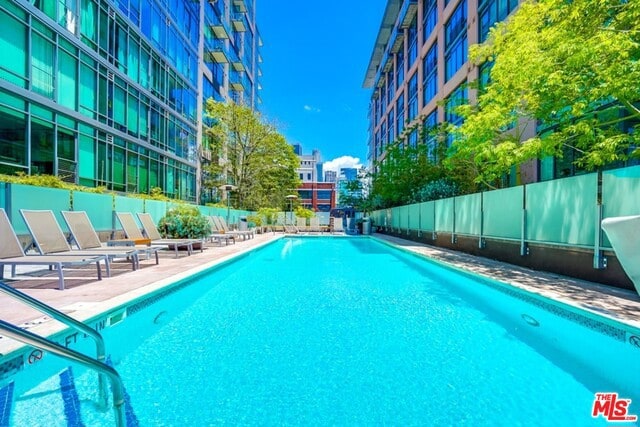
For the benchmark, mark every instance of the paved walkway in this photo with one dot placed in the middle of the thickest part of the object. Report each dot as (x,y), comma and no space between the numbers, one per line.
(85,297)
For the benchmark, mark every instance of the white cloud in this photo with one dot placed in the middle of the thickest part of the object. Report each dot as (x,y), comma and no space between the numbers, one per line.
(312,109)
(342,162)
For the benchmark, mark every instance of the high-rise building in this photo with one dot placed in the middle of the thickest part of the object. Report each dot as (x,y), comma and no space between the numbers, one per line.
(420,59)
(111,94)
(313,193)
(330,176)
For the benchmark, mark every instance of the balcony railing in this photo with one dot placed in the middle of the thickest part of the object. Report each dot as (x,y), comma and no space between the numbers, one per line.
(239,22)
(235,60)
(240,5)
(237,80)
(408,11)
(217,51)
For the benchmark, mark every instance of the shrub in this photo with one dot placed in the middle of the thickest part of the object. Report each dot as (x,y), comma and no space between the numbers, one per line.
(439,189)
(184,222)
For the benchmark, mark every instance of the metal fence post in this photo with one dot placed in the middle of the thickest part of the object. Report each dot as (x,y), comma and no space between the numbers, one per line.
(524,248)
(599,261)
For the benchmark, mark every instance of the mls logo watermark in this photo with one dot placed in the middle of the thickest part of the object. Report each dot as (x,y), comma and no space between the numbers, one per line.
(612,408)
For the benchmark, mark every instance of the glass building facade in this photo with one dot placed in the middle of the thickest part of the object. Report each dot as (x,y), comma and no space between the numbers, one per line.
(419,73)
(104,93)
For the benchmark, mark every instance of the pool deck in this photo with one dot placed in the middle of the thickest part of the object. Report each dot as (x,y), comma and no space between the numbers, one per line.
(85,297)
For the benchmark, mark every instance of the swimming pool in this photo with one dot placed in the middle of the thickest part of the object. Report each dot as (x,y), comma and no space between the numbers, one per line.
(341,331)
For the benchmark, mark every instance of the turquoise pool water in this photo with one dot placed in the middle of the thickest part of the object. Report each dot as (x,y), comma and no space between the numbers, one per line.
(328,331)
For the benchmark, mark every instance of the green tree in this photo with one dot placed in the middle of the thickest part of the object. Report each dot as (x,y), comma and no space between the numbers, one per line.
(572,67)
(251,155)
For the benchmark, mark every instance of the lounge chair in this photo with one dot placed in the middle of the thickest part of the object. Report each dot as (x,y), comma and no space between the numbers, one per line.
(50,240)
(337,226)
(291,229)
(86,238)
(222,227)
(217,234)
(301,224)
(131,230)
(314,225)
(133,233)
(12,254)
(249,232)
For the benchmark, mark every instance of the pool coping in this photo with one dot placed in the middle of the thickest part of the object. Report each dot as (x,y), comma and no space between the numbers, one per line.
(616,305)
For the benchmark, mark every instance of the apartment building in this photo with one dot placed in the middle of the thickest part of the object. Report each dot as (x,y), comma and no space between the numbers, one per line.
(420,59)
(111,94)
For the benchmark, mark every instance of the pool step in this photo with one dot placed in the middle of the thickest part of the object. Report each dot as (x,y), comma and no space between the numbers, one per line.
(130,416)
(64,399)
(70,398)
(6,403)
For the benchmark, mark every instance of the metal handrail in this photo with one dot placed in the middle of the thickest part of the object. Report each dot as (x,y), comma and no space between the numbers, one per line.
(69,321)
(42,343)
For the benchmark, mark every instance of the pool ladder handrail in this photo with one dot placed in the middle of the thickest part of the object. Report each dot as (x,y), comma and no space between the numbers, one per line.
(97,364)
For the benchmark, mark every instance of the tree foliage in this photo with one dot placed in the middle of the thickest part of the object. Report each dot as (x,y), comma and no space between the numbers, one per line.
(251,155)
(407,173)
(573,67)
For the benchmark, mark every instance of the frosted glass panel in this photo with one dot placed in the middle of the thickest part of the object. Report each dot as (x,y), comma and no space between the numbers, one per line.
(99,208)
(562,211)
(503,213)
(444,215)
(427,212)
(468,214)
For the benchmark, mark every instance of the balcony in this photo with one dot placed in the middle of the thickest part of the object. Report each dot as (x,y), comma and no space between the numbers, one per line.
(216,51)
(240,6)
(235,60)
(219,28)
(237,80)
(239,22)
(398,40)
(408,11)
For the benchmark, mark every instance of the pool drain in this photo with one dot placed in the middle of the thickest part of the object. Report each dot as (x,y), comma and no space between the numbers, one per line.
(530,320)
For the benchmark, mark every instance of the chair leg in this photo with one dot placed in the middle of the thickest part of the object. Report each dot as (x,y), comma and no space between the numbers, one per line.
(61,277)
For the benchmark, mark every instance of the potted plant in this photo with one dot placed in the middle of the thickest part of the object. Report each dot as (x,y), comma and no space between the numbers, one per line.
(184,222)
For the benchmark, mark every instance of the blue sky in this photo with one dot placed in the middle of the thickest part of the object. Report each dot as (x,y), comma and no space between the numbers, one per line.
(315,56)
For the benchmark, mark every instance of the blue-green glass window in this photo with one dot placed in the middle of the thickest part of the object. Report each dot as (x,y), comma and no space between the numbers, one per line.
(144,121)
(400,114)
(399,68)
(429,134)
(413,96)
(87,158)
(68,14)
(324,194)
(429,17)
(42,57)
(121,47)
(391,88)
(48,7)
(144,68)
(42,147)
(67,78)
(132,115)
(391,126)
(455,48)
(13,45)
(456,98)
(103,98)
(430,73)
(13,148)
(119,109)
(413,41)
(134,54)
(118,169)
(89,22)
(413,138)
(492,11)
(103,32)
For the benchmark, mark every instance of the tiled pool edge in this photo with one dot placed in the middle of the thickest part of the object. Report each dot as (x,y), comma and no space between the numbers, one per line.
(13,357)
(597,321)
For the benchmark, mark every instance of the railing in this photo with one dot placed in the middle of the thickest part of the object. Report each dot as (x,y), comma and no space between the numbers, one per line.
(69,321)
(563,212)
(37,341)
